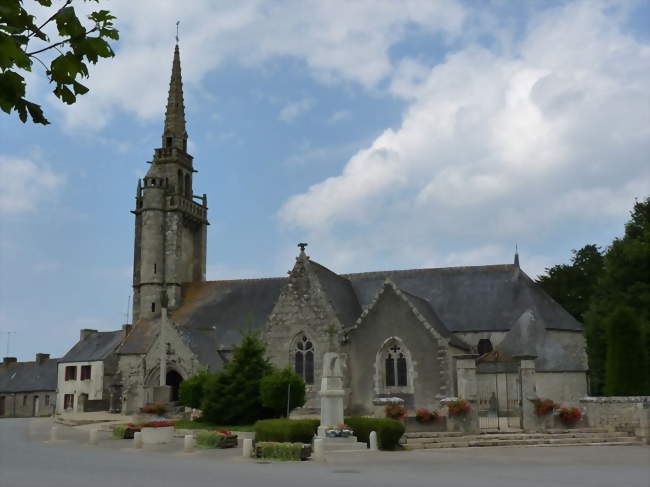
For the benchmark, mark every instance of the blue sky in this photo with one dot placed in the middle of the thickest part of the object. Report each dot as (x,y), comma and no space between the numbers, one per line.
(386,134)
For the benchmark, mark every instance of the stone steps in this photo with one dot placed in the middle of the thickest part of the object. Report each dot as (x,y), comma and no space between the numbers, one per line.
(585,436)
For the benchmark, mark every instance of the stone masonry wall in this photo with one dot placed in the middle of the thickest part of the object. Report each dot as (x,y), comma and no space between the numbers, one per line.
(619,413)
(27,404)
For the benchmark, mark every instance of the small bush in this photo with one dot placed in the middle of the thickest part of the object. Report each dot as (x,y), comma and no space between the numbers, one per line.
(210,439)
(119,431)
(389,431)
(190,393)
(274,388)
(280,451)
(286,430)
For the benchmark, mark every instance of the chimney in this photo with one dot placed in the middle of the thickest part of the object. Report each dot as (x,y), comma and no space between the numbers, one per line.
(9,360)
(126,328)
(85,332)
(42,357)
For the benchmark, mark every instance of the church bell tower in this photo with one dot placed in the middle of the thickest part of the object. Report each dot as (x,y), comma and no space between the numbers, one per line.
(170,220)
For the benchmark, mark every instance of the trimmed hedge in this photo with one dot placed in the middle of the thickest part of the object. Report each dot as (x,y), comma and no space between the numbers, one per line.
(119,431)
(280,451)
(209,439)
(389,431)
(286,430)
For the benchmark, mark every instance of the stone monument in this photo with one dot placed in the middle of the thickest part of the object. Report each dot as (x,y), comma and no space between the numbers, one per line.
(331,405)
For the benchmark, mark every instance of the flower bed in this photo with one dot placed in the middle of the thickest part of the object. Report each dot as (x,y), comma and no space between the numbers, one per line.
(125,431)
(282,451)
(157,408)
(569,416)
(339,431)
(544,406)
(157,432)
(458,408)
(423,415)
(395,411)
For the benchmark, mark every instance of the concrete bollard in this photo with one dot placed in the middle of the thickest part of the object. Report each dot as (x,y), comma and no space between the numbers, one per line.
(137,440)
(247,449)
(54,433)
(93,436)
(319,450)
(188,444)
(373,441)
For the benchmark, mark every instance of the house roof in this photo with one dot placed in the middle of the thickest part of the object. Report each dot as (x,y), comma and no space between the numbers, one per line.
(29,376)
(340,293)
(95,346)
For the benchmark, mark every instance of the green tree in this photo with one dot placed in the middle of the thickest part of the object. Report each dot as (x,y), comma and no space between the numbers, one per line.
(191,389)
(23,41)
(625,282)
(280,387)
(233,395)
(626,371)
(573,285)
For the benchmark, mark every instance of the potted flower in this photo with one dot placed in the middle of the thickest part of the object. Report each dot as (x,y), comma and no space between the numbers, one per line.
(395,411)
(544,406)
(338,431)
(423,415)
(157,432)
(570,416)
(458,408)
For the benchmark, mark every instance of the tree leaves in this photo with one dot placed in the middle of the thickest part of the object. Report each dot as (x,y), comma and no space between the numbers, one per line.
(83,44)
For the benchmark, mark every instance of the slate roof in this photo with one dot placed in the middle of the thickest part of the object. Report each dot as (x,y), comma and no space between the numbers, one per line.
(340,292)
(29,376)
(96,346)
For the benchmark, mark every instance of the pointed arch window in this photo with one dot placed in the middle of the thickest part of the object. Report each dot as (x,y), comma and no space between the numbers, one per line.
(304,359)
(396,370)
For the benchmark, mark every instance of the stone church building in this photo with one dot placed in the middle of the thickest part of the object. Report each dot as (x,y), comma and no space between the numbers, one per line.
(401,333)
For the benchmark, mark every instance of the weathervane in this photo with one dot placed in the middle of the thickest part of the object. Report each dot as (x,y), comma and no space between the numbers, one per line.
(177,22)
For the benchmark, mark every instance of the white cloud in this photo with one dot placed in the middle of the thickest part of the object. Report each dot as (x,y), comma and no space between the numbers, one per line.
(296,109)
(496,147)
(340,115)
(26,185)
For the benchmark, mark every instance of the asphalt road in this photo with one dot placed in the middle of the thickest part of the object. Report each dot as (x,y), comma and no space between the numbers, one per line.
(28,460)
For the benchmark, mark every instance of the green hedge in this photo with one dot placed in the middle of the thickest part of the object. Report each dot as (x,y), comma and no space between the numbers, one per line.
(280,451)
(389,431)
(119,430)
(286,430)
(209,439)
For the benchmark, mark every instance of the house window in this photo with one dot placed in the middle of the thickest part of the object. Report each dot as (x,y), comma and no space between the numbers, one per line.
(71,372)
(395,367)
(304,359)
(85,372)
(484,346)
(47,399)
(68,401)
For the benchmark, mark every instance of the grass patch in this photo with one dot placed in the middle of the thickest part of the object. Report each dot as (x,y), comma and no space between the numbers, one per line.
(201,425)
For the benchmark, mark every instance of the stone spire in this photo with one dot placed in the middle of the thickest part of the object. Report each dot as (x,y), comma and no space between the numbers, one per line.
(174,134)
(516,256)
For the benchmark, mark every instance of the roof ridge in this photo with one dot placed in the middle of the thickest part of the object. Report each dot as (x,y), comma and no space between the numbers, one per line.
(424,269)
(249,279)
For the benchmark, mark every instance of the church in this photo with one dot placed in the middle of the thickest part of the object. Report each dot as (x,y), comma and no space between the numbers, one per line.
(401,333)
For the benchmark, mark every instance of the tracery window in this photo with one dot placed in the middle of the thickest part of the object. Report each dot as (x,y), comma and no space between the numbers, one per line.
(304,359)
(395,367)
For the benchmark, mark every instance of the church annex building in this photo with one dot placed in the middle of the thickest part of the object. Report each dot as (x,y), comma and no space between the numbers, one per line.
(400,333)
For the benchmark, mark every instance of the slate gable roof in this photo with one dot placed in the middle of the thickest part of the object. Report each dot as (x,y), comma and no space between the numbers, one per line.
(96,346)
(29,376)
(457,299)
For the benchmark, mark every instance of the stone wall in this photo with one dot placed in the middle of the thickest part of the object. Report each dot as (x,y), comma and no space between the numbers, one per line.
(27,404)
(619,413)
(566,388)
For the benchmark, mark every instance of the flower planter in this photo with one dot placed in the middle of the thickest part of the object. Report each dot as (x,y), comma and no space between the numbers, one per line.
(157,436)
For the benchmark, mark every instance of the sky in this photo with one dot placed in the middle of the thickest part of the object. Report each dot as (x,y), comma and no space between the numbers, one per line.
(387,134)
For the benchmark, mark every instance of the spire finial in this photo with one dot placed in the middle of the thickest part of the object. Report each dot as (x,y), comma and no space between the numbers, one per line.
(177,22)
(516,256)
(302,246)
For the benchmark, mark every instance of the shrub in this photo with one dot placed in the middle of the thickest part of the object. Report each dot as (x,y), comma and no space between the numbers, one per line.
(570,416)
(389,431)
(233,396)
(286,430)
(191,389)
(119,431)
(275,387)
(395,411)
(157,408)
(280,451)
(459,407)
(210,439)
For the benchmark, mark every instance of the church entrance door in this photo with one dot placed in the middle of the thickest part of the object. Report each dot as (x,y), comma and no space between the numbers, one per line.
(174,379)
(499,392)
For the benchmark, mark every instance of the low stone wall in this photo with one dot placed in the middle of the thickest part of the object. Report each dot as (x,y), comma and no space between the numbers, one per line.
(619,413)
